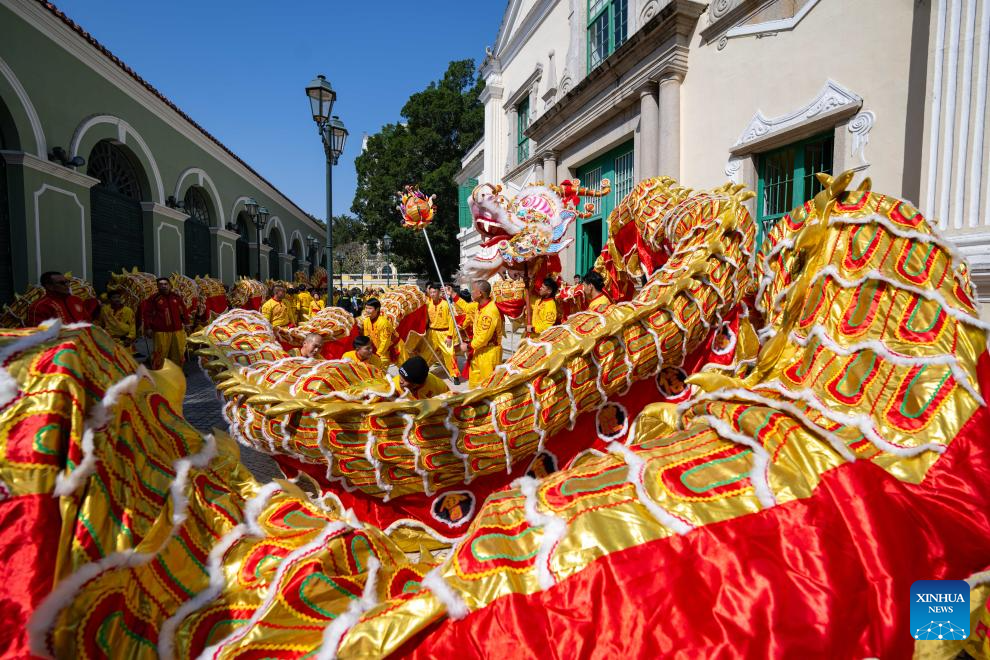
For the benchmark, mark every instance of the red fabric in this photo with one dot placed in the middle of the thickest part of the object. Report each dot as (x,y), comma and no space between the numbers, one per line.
(334,350)
(215,305)
(512,308)
(164,313)
(413,322)
(69,309)
(828,576)
(27,523)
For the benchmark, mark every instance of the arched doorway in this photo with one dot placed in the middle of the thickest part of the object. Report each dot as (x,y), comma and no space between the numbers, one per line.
(297,252)
(117,228)
(274,256)
(243,247)
(197,232)
(314,257)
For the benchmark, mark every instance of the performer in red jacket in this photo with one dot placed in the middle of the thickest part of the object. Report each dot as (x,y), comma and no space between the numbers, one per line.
(58,302)
(165,318)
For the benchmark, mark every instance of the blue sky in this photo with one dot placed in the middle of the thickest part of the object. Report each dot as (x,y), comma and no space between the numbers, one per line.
(240,68)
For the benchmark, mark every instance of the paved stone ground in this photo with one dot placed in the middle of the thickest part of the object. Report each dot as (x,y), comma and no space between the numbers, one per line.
(201,408)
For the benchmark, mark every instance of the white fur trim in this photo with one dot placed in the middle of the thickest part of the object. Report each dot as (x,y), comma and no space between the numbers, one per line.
(901,360)
(456,608)
(455,433)
(300,553)
(554,529)
(334,633)
(537,426)
(636,467)
(99,417)
(502,434)
(214,567)
(759,475)
(8,386)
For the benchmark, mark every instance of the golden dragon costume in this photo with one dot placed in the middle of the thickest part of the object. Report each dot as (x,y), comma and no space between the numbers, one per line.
(785,506)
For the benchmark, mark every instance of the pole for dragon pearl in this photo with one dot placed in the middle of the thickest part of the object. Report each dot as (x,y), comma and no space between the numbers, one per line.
(450,303)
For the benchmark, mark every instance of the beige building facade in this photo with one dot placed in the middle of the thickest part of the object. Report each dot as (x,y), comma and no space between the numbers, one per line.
(761,92)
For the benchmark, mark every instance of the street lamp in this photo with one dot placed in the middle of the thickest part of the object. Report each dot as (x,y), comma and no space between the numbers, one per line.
(334,135)
(387,242)
(313,244)
(259,216)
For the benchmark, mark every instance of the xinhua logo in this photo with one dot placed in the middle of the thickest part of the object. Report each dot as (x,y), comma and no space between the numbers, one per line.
(939,609)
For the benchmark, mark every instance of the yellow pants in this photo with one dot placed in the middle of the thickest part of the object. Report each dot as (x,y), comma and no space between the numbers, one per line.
(483,364)
(442,350)
(169,346)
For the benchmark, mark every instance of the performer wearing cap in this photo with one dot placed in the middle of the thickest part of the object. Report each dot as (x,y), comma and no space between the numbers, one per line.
(165,318)
(416,382)
(440,332)
(118,320)
(379,328)
(594,290)
(364,352)
(545,312)
(57,303)
(486,345)
(276,310)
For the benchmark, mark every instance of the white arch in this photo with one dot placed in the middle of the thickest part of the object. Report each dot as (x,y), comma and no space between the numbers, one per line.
(292,239)
(41,145)
(275,222)
(123,131)
(237,202)
(203,180)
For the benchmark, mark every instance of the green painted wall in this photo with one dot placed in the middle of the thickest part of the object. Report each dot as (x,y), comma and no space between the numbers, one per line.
(48,74)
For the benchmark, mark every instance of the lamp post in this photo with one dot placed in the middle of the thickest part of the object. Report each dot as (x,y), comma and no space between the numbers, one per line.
(312,244)
(259,216)
(334,135)
(387,242)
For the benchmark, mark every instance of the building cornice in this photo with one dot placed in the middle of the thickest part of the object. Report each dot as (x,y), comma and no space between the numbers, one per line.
(491,91)
(225,233)
(506,50)
(158,209)
(656,52)
(58,27)
(49,168)
(832,104)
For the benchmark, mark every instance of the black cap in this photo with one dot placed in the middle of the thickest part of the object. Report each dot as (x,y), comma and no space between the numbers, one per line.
(414,370)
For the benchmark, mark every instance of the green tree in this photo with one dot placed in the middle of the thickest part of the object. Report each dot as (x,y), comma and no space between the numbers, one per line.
(441,123)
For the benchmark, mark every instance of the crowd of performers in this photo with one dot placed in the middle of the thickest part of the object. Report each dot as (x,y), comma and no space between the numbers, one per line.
(464,334)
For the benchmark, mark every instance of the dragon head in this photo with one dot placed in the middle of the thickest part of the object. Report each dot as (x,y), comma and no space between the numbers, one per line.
(516,232)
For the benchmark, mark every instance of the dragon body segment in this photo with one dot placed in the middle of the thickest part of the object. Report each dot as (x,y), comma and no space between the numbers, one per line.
(804,482)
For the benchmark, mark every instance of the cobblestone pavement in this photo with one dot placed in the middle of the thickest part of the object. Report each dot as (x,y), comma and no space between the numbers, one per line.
(201,408)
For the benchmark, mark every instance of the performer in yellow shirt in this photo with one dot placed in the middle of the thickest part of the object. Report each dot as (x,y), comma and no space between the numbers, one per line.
(364,352)
(275,309)
(319,303)
(416,382)
(545,312)
(440,332)
(389,348)
(118,320)
(594,290)
(292,304)
(486,345)
(304,302)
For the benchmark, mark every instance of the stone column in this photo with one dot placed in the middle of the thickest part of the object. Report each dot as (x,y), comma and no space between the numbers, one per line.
(538,171)
(670,127)
(511,160)
(649,131)
(224,259)
(165,252)
(550,167)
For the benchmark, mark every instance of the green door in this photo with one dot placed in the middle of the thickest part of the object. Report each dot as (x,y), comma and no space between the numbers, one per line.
(592,233)
(6,268)
(197,244)
(117,226)
(117,235)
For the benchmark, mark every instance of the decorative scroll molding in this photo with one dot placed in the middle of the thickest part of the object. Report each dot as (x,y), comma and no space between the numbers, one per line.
(727,19)
(733,168)
(833,102)
(860,127)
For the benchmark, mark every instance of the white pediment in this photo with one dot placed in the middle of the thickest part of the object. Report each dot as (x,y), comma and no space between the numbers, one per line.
(833,99)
